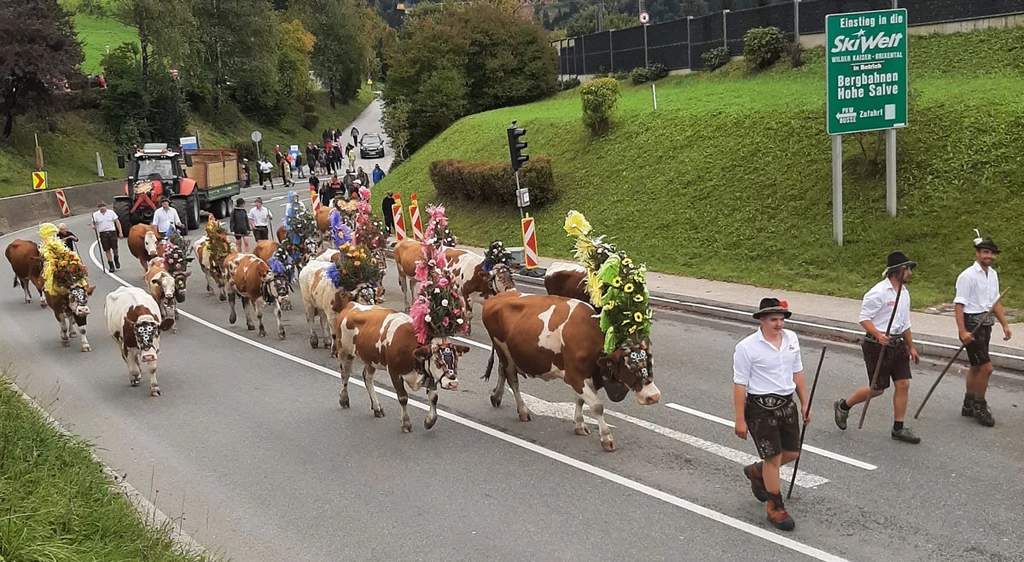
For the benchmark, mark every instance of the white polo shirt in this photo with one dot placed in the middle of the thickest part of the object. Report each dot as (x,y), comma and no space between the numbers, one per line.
(260,217)
(761,368)
(976,290)
(104,221)
(877,307)
(164,219)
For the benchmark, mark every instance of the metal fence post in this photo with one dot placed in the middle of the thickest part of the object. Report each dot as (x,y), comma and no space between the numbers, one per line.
(611,53)
(796,21)
(689,44)
(575,70)
(584,49)
(725,32)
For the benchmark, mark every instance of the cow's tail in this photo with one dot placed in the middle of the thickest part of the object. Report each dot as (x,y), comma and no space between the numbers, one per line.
(16,281)
(490,365)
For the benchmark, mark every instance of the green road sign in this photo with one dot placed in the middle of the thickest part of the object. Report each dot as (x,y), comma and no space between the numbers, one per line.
(866,71)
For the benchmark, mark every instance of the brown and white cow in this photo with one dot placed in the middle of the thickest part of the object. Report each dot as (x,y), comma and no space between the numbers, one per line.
(319,295)
(144,243)
(135,323)
(250,278)
(384,339)
(166,289)
(213,269)
(27,263)
(567,280)
(265,249)
(406,253)
(477,285)
(71,305)
(551,337)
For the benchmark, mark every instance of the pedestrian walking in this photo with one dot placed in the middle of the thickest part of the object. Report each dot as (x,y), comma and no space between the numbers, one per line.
(67,237)
(259,220)
(362,177)
(378,174)
(265,169)
(106,225)
(352,158)
(887,349)
(246,178)
(977,291)
(355,136)
(240,225)
(387,208)
(298,166)
(165,217)
(767,370)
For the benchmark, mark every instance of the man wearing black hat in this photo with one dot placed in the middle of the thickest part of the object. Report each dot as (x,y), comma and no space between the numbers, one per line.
(977,289)
(896,348)
(767,369)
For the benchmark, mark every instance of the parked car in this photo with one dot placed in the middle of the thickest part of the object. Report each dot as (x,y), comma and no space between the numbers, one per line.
(371,146)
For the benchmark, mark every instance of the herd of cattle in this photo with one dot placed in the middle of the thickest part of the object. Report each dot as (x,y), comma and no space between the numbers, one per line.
(552,336)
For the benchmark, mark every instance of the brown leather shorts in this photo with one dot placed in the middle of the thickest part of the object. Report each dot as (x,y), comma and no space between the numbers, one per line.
(895,365)
(773,430)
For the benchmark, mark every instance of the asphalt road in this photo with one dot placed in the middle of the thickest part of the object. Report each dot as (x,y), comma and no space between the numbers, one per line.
(249,444)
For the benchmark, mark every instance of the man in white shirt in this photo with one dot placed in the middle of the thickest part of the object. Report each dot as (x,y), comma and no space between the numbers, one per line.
(977,289)
(767,369)
(165,216)
(259,220)
(106,225)
(896,347)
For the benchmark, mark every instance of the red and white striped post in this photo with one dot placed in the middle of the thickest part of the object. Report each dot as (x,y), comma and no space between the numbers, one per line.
(396,212)
(65,209)
(530,243)
(414,219)
(315,198)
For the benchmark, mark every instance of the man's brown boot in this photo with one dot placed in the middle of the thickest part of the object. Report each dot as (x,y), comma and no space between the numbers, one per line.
(754,474)
(777,513)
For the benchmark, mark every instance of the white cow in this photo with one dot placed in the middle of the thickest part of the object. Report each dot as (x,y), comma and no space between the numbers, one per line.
(135,323)
(319,298)
(215,277)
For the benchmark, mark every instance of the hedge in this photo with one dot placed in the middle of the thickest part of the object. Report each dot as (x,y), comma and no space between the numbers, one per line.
(490,182)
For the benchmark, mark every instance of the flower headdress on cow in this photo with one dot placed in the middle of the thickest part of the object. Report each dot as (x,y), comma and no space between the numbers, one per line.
(341,233)
(282,263)
(497,254)
(617,286)
(353,266)
(217,242)
(299,225)
(62,268)
(176,251)
(439,310)
(438,233)
(369,228)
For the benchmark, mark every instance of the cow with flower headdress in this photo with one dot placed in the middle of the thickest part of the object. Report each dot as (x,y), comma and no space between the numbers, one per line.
(329,219)
(298,235)
(601,342)
(409,252)
(282,264)
(415,348)
(370,231)
(211,250)
(65,285)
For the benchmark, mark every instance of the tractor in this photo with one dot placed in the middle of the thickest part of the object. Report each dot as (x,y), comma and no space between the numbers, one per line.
(155,172)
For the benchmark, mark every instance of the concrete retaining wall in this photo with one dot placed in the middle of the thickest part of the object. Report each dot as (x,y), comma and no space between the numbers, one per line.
(20,211)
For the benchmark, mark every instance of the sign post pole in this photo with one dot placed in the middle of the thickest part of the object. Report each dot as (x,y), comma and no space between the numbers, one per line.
(837,188)
(890,171)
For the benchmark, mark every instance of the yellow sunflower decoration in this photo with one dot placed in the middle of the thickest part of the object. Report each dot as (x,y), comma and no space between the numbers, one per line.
(62,268)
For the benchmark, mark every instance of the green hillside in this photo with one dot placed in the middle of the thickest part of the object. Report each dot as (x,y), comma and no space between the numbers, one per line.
(730,178)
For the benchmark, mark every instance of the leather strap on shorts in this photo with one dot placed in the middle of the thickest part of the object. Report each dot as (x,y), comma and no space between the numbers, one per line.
(895,340)
(769,401)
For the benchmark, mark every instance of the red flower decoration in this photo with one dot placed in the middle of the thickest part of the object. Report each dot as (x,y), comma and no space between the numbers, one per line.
(784,304)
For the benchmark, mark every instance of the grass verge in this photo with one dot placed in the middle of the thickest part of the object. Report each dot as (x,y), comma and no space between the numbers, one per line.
(57,504)
(730,178)
(96,34)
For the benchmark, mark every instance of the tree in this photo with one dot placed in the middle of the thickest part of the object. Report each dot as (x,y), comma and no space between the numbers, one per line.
(37,45)
(132,114)
(585,22)
(293,64)
(341,51)
(395,120)
(164,26)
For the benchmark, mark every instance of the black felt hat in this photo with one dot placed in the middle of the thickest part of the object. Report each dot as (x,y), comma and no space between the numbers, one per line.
(898,259)
(772,306)
(987,244)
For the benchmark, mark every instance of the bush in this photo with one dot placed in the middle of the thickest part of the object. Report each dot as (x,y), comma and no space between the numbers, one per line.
(95,8)
(599,98)
(568,84)
(715,58)
(490,182)
(796,55)
(762,46)
(308,107)
(246,149)
(620,75)
(653,71)
(309,121)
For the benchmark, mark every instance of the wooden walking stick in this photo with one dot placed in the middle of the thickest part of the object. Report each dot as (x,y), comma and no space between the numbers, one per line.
(881,356)
(810,400)
(957,354)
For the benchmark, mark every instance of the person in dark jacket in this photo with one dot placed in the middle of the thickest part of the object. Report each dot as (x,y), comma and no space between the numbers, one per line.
(67,237)
(240,225)
(362,177)
(389,219)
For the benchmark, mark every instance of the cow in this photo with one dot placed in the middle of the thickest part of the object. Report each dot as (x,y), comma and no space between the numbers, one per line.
(406,253)
(71,305)
(384,339)
(552,337)
(135,323)
(212,268)
(27,263)
(144,244)
(250,278)
(567,280)
(476,284)
(265,249)
(323,220)
(165,288)
(318,294)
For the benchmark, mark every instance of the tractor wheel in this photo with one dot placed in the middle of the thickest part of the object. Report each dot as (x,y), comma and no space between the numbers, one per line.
(192,212)
(180,204)
(123,209)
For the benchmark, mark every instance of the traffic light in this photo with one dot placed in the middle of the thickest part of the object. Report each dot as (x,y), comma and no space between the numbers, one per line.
(515,147)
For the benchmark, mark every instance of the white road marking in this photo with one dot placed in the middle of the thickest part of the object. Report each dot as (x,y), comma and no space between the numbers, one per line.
(562,410)
(538,449)
(808,448)
(803,479)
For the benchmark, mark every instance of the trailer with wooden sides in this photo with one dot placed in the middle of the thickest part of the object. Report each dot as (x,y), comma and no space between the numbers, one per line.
(215,172)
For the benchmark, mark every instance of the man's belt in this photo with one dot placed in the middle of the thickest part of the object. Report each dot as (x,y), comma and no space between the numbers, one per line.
(973,319)
(769,401)
(894,339)
(105,232)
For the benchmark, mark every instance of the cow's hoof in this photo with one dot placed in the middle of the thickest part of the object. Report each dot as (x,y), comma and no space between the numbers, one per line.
(250,327)
(134,382)
(343,401)
(73,334)
(280,334)
(223,298)
(174,331)
(496,401)
(429,422)
(406,427)
(65,343)
(154,392)
(263,333)
(582,430)
(608,446)
(525,416)
(379,413)
(42,304)
(314,343)
(233,318)
(86,348)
